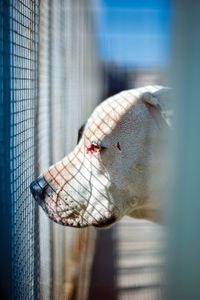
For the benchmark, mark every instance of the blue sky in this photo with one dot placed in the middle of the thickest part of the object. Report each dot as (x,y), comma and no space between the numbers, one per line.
(134,33)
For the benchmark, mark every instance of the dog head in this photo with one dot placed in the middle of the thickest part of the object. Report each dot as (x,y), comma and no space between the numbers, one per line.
(107,174)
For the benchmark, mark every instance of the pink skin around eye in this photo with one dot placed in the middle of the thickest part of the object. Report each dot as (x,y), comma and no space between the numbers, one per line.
(91,149)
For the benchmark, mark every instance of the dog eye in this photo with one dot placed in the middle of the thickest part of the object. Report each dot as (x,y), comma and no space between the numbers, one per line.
(95,148)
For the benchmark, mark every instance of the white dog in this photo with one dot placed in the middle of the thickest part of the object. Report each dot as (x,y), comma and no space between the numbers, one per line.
(115,168)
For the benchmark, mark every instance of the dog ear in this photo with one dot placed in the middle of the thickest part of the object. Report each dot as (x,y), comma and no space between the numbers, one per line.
(161,101)
(80,132)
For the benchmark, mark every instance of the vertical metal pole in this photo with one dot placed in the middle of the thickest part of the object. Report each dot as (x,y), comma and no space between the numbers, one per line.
(36,154)
(5,193)
(50,83)
(50,131)
(183,272)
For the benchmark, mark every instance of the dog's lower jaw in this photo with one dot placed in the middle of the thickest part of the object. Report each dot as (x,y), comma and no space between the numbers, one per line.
(149,214)
(108,223)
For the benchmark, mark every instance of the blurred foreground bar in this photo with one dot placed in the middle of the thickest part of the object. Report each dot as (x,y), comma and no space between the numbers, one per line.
(183,272)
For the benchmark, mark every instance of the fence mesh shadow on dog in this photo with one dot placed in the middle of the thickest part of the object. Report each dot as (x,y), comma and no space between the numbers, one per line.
(51,81)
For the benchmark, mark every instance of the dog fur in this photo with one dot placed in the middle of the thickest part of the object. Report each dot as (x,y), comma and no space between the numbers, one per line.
(98,188)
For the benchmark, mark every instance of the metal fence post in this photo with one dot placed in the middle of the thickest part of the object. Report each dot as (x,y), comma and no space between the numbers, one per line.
(5,219)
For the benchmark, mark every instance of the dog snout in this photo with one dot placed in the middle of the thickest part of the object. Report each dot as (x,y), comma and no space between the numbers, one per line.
(37,188)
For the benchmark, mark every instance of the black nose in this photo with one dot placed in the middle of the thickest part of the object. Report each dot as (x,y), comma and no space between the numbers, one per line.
(38,187)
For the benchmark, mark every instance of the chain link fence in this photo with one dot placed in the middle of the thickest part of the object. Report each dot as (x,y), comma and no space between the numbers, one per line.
(50,76)
(19,94)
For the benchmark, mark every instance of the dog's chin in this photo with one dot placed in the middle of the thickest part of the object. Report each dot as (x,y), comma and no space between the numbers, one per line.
(76,224)
(106,224)
(75,221)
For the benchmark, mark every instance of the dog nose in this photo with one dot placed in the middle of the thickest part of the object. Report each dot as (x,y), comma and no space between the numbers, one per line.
(37,188)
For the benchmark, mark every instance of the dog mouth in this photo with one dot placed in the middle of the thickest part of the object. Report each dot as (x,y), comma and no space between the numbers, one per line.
(106,224)
(72,219)
(76,223)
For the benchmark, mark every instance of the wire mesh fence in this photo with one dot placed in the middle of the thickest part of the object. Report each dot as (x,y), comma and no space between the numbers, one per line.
(69,87)
(6,254)
(20,88)
(33,136)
